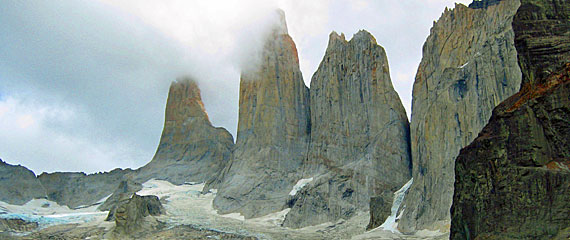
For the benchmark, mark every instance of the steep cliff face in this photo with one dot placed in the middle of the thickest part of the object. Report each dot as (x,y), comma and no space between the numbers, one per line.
(80,189)
(190,148)
(359,134)
(542,37)
(469,66)
(513,181)
(273,131)
(18,185)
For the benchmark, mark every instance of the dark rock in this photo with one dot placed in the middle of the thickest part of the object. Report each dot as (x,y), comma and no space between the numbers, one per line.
(483,3)
(514,179)
(542,37)
(18,185)
(380,209)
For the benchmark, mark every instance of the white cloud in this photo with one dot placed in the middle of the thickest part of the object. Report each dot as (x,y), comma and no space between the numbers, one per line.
(28,138)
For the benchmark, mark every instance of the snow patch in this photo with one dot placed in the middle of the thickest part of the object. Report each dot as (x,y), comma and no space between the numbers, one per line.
(161,188)
(47,213)
(390,223)
(236,216)
(300,184)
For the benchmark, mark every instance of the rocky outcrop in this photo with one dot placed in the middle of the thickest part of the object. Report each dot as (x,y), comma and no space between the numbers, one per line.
(135,214)
(123,192)
(380,209)
(359,134)
(79,189)
(469,66)
(273,131)
(190,148)
(18,185)
(513,181)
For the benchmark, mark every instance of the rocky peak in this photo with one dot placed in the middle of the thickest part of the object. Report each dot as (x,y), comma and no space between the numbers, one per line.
(334,37)
(359,134)
(190,148)
(185,102)
(273,132)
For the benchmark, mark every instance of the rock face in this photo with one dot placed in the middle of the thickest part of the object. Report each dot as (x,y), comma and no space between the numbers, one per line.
(131,215)
(469,66)
(79,189)
(18,185)
(190,149)
(542,37)
(513,181)
(359,134)
(273,132)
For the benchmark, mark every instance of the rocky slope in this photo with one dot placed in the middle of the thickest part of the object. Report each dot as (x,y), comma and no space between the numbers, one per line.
(79,189)
(513,181)
(273,131)
(18,185)
(190,148)
(469,66)
(359,134)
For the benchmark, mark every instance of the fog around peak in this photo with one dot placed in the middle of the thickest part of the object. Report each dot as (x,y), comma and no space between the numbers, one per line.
(83,83)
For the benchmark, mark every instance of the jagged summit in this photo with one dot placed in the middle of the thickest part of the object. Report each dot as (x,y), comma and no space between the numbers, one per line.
(359,134)
(359,36)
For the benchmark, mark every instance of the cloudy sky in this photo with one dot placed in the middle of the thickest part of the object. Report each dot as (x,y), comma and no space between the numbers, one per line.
(83,83)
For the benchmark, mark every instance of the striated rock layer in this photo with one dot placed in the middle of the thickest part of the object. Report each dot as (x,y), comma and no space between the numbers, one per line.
(469,66)
(513,181)
(18,185)
(190,148)
(273,132)
(359,134)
